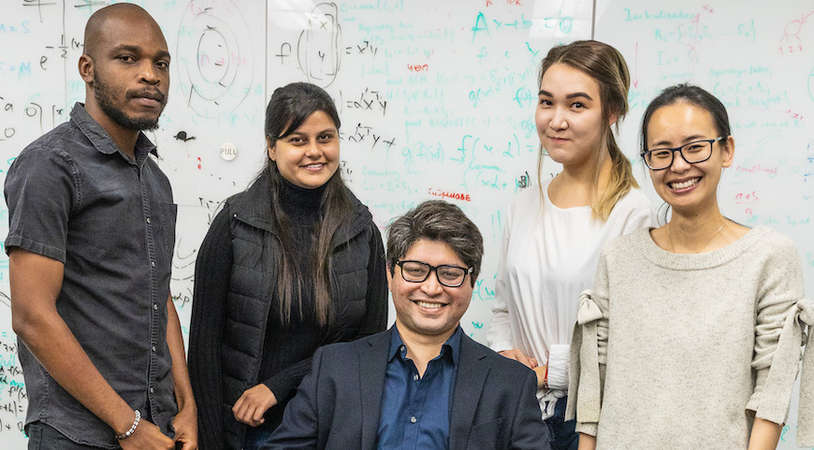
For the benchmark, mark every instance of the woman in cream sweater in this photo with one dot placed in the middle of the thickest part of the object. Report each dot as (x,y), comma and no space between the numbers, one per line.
(691,336)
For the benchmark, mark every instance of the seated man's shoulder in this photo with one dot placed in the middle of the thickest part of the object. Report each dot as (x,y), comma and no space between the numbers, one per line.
(504,367)
(344,349)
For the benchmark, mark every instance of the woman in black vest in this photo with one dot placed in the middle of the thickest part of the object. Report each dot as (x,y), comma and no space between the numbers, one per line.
(292,263)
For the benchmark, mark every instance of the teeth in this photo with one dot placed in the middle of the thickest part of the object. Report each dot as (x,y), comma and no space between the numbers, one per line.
(684,184)
(428,305)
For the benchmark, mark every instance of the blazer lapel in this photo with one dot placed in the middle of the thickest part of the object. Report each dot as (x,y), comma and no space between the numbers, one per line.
(469,381)
(372,367)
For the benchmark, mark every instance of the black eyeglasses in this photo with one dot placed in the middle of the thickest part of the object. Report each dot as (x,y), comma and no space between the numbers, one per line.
(693,152)
(417,272)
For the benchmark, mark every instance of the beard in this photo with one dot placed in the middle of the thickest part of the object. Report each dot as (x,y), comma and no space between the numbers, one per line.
(104,97)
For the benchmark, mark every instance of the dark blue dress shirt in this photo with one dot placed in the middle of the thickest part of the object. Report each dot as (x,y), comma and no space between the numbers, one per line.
(415,410)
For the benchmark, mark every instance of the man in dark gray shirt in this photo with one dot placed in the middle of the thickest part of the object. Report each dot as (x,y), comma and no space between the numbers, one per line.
(91,236)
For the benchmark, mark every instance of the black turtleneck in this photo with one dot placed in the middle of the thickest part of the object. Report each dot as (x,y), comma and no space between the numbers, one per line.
(301,206)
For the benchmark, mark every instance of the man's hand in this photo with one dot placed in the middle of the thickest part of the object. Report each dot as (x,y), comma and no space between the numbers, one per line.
(147,437)
(521,357)
(185,425)
(254,402)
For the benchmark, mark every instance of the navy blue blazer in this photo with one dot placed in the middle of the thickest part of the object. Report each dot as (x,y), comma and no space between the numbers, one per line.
(494,405)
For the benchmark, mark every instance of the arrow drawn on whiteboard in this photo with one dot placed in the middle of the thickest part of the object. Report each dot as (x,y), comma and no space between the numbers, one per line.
(5,299)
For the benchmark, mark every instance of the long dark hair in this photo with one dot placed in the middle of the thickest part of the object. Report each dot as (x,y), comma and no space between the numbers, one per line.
(288,108)
(607,66)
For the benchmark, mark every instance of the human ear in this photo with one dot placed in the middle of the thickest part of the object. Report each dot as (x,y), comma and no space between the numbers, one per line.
(612,120)
(271,149)
(389,273)
(727,151)
(86,68)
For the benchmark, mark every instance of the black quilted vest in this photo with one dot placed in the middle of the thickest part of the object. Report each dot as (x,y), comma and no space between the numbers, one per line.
(253,280)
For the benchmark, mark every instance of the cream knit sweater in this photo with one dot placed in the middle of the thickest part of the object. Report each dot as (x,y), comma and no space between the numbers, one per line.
(682,350)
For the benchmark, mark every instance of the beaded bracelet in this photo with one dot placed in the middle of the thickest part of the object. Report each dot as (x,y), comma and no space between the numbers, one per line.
(128,433)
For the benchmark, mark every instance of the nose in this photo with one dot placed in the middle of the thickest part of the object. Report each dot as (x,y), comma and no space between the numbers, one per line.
(679,164)
(148,72)
(558,120)
(431,286)
(312,150)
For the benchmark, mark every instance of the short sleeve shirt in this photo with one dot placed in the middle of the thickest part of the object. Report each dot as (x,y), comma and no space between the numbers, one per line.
(73,196)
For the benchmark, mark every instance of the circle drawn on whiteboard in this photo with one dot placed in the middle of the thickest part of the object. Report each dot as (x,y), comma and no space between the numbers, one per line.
(228,151)
(214,49)
(318,47)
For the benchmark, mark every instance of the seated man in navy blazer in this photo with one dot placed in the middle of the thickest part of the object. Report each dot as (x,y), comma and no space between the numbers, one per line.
(422,384)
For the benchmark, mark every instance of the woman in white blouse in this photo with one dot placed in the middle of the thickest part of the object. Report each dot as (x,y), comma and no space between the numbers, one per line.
(691,335)
(554,230)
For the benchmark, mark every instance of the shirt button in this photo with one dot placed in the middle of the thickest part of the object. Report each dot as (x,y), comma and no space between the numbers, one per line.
(153,347)
(148,220)
(415,377)
(412,419)
(155,306)
(151,389)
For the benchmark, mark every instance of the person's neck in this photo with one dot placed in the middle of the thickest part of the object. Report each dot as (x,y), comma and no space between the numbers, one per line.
(422,348)
(577,184)
(301,202)
(124,138)
(697,232)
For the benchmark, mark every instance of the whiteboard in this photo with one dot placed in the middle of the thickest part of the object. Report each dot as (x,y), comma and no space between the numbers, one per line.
(436,101)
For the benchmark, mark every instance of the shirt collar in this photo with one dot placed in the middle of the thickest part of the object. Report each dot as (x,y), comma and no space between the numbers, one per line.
(101,139)
(450,349)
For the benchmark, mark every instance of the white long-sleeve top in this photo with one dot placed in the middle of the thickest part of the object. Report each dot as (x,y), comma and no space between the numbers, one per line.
(549,255)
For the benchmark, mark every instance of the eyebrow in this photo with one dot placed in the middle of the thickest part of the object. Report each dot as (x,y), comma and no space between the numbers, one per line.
(327,130)
(687,140)
(694,137)
(569,96)
(137,49)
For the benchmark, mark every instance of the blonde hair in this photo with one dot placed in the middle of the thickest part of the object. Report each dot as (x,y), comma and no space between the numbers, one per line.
(607,66)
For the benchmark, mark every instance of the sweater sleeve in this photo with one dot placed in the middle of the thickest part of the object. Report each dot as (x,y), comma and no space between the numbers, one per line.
(283,383)
(805,415)
(589,354)
(299,427)
(778,334)
(212,273)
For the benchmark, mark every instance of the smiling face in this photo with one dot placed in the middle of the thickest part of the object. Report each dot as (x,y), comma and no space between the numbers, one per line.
(309,156)
(569,115)
(429,308)
(688,188)
(127,70)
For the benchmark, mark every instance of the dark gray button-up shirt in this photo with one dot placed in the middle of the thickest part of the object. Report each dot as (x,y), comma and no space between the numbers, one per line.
(75,197)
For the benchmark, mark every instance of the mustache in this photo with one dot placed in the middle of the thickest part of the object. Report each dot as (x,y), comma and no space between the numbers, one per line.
(154,94)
